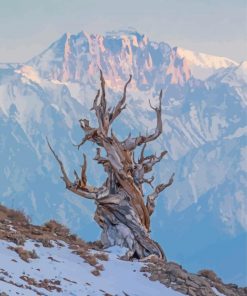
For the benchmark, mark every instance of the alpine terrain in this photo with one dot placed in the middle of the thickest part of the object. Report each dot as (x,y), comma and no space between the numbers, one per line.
(200,221)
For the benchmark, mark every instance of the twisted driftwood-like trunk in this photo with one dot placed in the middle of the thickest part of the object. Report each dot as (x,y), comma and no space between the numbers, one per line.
(123,212)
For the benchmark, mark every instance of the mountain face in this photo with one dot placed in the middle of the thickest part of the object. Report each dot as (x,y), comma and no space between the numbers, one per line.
(204,132)
(77,58)
(204,65)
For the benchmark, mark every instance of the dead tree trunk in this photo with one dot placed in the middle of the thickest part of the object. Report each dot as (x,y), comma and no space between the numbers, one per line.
(123,212)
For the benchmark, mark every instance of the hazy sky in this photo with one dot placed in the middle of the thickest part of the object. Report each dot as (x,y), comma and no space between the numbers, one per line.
(217,27)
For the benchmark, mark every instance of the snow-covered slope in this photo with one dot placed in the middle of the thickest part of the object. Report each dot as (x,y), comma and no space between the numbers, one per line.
(204,133)
(57,271)
(204,65)
(48,260)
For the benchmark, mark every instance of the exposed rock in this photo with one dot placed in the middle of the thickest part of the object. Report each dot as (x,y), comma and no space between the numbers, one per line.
(173,275)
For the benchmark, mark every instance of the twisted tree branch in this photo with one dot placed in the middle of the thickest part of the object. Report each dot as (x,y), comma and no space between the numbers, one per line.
(152,197)
(121,104)
(132,143)
(87,192)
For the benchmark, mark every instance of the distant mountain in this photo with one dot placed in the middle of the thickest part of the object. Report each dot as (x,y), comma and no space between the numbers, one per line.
(204,65)
(204,133)
(77,58)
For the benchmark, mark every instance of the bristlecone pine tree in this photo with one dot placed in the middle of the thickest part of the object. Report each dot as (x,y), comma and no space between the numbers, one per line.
(123,212)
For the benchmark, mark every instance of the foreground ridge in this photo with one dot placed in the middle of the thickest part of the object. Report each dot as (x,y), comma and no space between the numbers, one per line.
(49,260)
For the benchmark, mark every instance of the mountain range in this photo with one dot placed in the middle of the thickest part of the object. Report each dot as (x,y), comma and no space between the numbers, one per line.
(200,220)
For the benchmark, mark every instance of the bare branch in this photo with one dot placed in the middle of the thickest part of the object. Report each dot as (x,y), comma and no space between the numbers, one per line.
(95,102)
(103,100)
(90,193)
(83,172)
(65,178)
(76,177)
(152,197)
(145,165)
(98,154)
(131,144)
(89,133)
(83,141)
(148,181)
(142,158)
(102,160)
(150,161)
(100,109)
(121,104)
(92,136)
(162,187)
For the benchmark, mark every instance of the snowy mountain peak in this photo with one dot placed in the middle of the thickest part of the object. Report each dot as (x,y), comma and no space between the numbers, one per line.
(77,58)
(124,52)
(242,71)
(243,65)
(235,76)
(202,59)
(29,73)
(204,65)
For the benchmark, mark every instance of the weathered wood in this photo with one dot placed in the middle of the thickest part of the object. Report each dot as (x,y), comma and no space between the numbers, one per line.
(121,210)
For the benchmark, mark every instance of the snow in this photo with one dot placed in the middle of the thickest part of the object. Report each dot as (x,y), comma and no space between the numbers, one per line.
(204,65)
(75,274)
(217,292)
(30,73)
(235,76)
(205,60)
(241,72)
(14,290)
(241,131)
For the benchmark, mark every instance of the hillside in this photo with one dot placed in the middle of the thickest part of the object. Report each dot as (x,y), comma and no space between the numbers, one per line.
(49,260)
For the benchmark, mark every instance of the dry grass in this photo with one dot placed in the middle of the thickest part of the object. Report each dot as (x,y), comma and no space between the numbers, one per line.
(14,237)
(100,267)
(24,254)
(49,285)
(15,227)
(102,256)
(90,259)
(56,228)
(13,215)
(45,242)
(97,245)
(95,272)
(209,274)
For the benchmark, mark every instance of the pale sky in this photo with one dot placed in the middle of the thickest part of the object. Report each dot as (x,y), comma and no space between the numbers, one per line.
(217,27)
